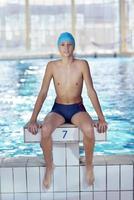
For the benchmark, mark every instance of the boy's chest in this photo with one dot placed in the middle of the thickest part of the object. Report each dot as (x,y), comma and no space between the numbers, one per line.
(67,76)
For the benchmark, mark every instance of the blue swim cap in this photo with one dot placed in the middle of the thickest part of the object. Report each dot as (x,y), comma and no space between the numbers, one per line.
(66,37)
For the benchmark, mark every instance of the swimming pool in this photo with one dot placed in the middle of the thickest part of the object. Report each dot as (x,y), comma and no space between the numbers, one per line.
(19,85)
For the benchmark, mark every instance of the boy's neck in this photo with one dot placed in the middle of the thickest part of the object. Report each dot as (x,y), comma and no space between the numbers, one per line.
(67,60)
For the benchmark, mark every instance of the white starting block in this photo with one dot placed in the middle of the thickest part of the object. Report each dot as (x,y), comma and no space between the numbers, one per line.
(66,157)
(66,133)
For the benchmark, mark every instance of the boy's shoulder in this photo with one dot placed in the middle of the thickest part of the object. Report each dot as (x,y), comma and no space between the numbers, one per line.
(53,62)
(83,61)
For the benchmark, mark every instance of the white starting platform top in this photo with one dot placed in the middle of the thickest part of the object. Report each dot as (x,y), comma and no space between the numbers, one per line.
(65,133)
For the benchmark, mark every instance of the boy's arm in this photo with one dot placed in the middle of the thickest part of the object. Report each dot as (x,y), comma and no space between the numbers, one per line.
(43,92)
(93,97)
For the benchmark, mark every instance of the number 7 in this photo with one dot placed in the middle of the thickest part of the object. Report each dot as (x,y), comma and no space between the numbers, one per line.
(65,132)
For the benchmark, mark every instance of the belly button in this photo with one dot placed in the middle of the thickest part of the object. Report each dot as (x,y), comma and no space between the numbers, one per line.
(58,83)
(76,83)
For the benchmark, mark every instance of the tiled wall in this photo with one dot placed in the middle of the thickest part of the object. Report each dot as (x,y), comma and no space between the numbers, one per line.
(21,179)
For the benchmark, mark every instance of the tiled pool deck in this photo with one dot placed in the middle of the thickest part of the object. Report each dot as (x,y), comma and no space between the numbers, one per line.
(21,179)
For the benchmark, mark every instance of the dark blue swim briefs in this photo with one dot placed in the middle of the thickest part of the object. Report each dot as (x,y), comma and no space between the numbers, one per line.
(68,110)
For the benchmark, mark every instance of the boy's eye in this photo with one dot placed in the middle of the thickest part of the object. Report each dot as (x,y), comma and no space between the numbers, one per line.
(62,44)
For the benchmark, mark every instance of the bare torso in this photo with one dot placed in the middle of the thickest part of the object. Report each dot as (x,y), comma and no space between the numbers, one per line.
(68,82)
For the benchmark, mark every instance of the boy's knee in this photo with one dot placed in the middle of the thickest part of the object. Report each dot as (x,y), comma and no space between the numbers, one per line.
(46,131)
(88,132)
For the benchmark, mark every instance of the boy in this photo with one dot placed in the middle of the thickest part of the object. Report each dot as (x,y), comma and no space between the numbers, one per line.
(68,75)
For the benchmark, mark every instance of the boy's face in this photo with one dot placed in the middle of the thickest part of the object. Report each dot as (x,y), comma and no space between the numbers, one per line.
(66,49)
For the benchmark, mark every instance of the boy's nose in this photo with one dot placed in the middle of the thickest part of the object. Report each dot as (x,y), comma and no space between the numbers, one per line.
(67,46)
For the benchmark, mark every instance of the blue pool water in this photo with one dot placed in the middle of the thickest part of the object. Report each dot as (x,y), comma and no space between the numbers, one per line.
(20,83)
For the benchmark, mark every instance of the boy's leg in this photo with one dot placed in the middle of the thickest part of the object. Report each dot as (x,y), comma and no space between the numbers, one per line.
(85,123)
(51,122)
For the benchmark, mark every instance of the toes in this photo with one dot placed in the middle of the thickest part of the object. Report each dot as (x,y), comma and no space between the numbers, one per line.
(47,184)
(48,178)
(91,181)
(90,176)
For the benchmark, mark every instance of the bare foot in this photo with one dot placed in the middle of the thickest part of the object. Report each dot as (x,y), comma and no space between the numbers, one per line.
(48,177)
(90,175)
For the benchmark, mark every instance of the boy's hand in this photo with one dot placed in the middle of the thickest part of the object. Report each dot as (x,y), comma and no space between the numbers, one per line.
(101,126)
(33,127)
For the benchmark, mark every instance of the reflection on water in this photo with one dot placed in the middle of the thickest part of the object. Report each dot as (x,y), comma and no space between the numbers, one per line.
(20,84)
